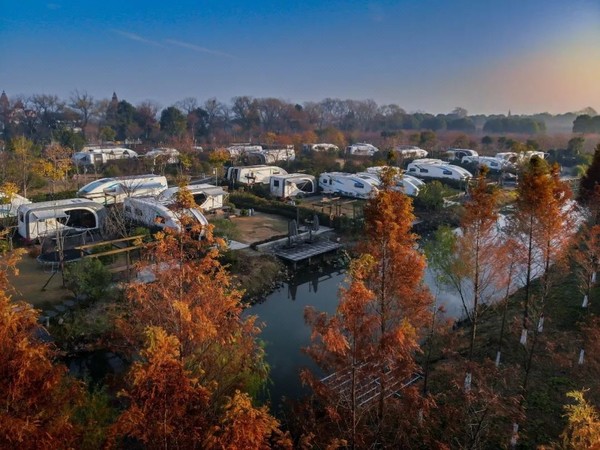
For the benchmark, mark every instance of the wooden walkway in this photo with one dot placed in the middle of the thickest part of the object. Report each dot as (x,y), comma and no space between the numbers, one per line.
(302,251)
(370,381)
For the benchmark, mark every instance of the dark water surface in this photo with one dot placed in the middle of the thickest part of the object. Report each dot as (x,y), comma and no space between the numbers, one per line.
(285,332)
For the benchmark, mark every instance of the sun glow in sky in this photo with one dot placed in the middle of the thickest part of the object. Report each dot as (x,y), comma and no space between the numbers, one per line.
(430,55)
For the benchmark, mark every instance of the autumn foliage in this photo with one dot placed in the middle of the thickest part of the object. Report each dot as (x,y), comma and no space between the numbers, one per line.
(199,357)
(36,396)
(373,337)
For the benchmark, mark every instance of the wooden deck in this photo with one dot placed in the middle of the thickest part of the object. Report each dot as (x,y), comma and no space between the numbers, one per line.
(302,251)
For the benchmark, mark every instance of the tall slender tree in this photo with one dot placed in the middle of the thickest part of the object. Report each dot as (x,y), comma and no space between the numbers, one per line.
(376,330)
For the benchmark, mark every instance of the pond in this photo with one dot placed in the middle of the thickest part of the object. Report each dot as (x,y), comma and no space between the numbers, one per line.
(285,333)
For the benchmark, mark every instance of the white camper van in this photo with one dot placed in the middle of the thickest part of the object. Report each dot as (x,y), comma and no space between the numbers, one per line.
(154,214)
(494,164)
(322,147)
(10,205)
(292,185)
(347,184)
(98,156)
(437,169)
(459,153)
(362,149)
(37,220)
(410,151)
(405,183)
(206,196)
(237,150)
(114,190)
(253,174)
(169,155)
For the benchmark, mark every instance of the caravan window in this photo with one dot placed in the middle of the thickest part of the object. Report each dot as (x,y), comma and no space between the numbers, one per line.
(424,170)
(275,183)
(412,169)
(139,212)
(447,172)
(359,185)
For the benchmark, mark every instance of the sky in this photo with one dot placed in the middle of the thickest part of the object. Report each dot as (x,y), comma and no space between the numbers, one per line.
(487,56)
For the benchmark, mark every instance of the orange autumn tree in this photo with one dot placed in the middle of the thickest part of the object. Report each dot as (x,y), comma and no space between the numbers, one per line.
(37,399)
(193,302)
(542,226)
(402,302)
(375,332)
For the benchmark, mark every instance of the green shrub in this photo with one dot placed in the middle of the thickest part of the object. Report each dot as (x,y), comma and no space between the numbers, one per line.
(431,196)
(88,277)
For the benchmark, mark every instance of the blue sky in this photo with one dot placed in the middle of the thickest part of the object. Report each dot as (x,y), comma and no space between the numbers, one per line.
(429,55)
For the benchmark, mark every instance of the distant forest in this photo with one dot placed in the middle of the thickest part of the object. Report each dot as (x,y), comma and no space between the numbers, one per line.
(43,118)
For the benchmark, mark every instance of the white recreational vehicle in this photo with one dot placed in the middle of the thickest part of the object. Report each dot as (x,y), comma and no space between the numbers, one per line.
(347,184)
(494,164)
(405,183)
(37,220)
(206,196)
(253,174)
(237,150)
(410,151)
(273,155)
(362,149)
(460,153)
(10,205)
(437,169)
(155,214)
(511,157)
(114,190)
(169,155)
(98,156)
(323,147)
(292,185)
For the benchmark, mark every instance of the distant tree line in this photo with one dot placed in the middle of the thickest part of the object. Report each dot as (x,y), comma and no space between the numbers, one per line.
(586,124)
(44,118)
(514,124)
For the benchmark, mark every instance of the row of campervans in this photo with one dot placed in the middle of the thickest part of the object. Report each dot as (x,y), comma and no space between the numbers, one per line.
(366,184)
(97,156)
(145,200)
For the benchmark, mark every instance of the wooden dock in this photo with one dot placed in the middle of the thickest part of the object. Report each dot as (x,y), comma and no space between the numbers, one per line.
(305,250)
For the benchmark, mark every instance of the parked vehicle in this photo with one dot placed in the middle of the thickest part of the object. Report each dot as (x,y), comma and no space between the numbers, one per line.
(37,220)
(362,149)
(171,155)
(292,185)
(10,205)
(347,184)
(405,183)
(494,164)
(114,190)
(206,196)
(96,156)
(457,154)
(272,155)
(154,214)
(323,147)
(410,152)
(511,157)
(437,169)
(253,174)
(237,150)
